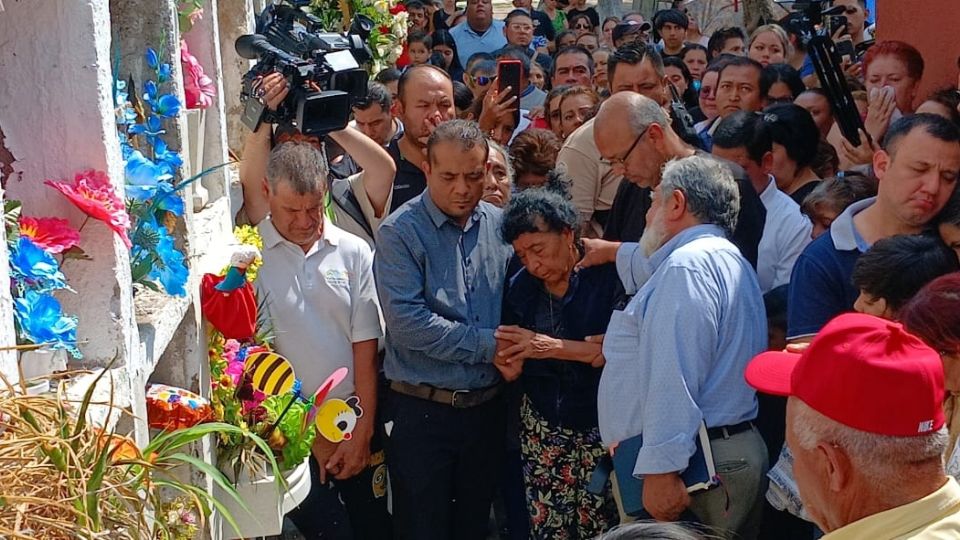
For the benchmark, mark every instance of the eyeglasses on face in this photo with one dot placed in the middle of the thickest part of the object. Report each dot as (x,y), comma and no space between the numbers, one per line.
(620,162)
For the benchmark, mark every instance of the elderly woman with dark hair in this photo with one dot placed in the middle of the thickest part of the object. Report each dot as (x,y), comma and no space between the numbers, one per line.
(555,316)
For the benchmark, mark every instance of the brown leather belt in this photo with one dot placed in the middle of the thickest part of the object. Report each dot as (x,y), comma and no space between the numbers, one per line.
(460,399)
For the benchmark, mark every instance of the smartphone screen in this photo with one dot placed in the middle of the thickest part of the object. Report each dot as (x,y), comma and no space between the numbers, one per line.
(508,74)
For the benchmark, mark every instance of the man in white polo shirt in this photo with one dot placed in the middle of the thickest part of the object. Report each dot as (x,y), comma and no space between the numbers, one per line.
(317,284)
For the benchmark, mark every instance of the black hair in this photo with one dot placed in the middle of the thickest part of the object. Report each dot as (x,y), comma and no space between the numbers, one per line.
(443,37)
(792,127)
(388,75)
(477,57)
(950,214)
(632,54)
(784,73)
(415,4)
(936,126)
(741,61)
(462,96)
(675,61)
(689,47)
(575,49)
(578,16)
(793,25)
(895,268)
(744,129)
(719,39)
(674,16)
(718,63)
(517,13)
(420,37)
(561,35)
(819,92)
(537,210)
(516,53)
(948,97)
(377,94)
(465,132)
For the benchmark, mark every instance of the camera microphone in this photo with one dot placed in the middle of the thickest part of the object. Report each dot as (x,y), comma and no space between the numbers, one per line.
(252,46)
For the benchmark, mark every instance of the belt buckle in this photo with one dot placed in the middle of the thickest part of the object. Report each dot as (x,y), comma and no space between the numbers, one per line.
(453,399)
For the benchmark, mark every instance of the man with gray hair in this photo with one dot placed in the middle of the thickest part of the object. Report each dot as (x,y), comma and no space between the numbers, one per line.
(440,268)
(676,354)
(317,285)
(866,427)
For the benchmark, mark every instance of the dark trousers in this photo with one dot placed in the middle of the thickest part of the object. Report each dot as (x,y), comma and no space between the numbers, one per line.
(351,509)
(445,466)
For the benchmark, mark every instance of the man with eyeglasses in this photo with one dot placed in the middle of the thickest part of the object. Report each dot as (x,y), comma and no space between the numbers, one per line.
(542,25)
(480,32)
(520,30)
(639,152)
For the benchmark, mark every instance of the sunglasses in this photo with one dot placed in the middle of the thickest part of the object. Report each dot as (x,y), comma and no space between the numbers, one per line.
(482,80)
(582,27)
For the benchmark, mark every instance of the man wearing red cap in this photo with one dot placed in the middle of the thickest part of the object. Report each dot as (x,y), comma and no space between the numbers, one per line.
(865,424)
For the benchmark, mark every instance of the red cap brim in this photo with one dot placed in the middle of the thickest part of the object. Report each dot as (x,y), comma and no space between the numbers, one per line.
(770,372)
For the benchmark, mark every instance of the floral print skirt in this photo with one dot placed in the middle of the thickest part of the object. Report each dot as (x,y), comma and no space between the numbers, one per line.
(557,465)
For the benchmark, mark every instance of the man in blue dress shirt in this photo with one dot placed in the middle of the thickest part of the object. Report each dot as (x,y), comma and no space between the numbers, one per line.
(480,32)
(676,354)
(440,267)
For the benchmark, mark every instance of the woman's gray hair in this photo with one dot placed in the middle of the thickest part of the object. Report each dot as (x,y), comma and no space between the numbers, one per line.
(300,164)
(881,458)
(644,111)
(708,185)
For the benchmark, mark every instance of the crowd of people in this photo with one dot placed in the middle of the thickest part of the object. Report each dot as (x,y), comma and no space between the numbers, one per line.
(520,297)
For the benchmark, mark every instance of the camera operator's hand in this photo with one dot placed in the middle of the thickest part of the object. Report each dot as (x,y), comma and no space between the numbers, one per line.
(494,108)
(272,90)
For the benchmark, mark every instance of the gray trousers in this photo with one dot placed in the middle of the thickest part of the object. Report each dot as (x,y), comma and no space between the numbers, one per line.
(734,508)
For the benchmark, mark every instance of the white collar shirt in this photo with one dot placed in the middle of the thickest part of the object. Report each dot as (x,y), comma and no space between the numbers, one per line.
(786,233)
(319,303)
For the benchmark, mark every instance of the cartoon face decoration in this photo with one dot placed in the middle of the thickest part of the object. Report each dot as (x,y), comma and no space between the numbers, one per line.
(336,418)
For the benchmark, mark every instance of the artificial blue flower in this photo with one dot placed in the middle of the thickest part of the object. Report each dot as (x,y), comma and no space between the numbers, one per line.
(41,320)
(34,268)
(164,73)
(142,176)
(168,200)
(152,129)
(167,263)
(152,59)
(169,160)
(150,93)
(167,106)
(170,269)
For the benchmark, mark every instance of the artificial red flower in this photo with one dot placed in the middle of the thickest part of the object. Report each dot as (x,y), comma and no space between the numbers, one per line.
(92,192)
(399,8)
(198,89)
(54,235)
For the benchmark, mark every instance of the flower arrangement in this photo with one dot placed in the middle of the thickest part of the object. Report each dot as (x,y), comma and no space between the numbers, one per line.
(150,167)
(198,89)
(35,274)
(240,394)
(389,31)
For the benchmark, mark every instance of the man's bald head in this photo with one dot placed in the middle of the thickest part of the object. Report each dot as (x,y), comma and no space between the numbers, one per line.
(425,98)
(632,111)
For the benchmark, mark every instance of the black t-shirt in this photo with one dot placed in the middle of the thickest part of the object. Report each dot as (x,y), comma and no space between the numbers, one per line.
(628,213)
(409,180)
(589,12)
(542,25)
(799,195)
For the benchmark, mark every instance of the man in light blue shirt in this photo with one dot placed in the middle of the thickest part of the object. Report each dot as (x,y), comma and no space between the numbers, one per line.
(479,33)
(676,354)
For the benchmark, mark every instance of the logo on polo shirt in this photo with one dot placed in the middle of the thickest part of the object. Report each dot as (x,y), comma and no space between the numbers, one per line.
(925,426)
(337,278)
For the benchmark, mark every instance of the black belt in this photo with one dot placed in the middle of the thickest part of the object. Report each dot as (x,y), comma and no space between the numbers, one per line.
(725,432)
(460,399)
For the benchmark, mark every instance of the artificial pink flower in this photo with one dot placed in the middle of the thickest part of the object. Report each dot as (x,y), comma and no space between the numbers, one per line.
(235,371)
(52,234)
(92,192)
(198,89)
